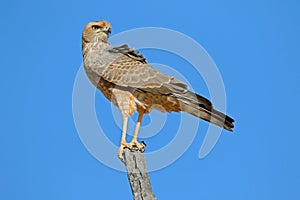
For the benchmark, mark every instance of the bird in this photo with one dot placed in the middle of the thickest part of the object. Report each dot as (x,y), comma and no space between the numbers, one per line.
(125,78)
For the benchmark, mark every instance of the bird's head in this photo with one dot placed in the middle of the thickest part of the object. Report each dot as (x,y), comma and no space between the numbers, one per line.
(96,31)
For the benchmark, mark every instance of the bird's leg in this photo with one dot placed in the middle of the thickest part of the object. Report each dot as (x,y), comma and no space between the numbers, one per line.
(134,142)
(123,143)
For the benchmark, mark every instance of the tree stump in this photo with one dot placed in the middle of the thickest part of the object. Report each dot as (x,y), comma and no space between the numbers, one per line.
(137,175)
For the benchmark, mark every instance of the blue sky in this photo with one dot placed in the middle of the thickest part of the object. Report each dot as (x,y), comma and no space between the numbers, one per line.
(255,45)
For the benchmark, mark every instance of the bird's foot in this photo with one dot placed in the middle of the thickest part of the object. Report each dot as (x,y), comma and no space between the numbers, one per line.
(137,146)
(134,145)
(123,145)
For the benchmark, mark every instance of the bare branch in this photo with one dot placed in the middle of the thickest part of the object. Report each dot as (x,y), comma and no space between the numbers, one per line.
(137,175)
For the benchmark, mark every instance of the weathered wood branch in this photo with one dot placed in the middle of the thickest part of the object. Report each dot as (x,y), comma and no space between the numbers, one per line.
(137,175)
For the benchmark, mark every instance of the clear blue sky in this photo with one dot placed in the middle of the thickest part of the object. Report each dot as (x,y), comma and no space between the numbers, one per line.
(255,45)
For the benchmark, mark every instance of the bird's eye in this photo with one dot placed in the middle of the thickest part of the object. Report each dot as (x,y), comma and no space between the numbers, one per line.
(95,27)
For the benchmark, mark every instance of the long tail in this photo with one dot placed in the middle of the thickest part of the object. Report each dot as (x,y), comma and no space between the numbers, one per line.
(201,107)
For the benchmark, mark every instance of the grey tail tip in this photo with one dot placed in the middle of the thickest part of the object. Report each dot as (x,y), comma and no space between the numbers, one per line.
(231,130)
(228,124)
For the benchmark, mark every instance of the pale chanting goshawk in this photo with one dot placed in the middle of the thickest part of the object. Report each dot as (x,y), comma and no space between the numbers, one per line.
(124,77)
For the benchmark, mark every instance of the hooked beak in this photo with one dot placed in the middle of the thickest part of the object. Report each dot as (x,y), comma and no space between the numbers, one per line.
(106,29)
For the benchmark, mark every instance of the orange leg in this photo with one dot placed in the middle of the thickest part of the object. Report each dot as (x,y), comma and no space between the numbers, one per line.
(123,143)
(134,142)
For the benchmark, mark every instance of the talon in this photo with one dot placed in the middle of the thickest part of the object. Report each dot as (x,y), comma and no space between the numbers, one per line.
(137,146)
(123,145)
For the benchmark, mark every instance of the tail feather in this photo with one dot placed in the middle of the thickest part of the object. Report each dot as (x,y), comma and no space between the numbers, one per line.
(201,107)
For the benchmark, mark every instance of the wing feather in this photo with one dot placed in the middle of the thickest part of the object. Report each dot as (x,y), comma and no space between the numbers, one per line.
(130,69)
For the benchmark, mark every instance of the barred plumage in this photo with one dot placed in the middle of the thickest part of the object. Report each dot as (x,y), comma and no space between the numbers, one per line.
(126,79)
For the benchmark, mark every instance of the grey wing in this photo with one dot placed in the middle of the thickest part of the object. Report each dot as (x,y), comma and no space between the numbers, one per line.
(130,69)
(124,49)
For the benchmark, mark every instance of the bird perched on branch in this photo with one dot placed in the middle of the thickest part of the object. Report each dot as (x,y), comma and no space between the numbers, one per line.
(124,77)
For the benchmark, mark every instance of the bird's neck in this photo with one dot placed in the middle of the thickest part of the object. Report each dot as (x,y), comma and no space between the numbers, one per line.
(87,45)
